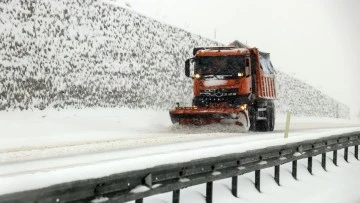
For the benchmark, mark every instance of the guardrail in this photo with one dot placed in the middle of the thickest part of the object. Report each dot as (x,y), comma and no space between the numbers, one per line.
(173,177)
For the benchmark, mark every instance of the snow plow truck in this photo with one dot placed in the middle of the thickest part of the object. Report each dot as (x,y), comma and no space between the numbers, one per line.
(232,85)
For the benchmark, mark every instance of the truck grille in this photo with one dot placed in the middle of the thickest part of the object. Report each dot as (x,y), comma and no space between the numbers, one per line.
(219,92)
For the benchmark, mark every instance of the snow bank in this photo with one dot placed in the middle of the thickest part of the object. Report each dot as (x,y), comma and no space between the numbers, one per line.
(62,53)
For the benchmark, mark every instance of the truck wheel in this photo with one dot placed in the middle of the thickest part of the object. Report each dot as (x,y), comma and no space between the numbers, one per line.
(269,123)
(262,126)
(252,118)
(271,116)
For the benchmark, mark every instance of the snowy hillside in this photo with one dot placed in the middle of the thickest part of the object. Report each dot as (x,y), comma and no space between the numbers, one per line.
(62,53)
(304,100)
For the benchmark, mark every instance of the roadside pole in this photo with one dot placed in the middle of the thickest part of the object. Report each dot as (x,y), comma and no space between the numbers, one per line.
(287,124)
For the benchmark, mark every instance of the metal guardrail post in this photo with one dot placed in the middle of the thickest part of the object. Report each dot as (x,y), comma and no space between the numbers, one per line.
(209,192)
(176,196)
(277,174)
(346,154)
(323,161)
(234,185)
(310,165)
(257,180)
(357,152)
(335,157)
(294,169)
(139,201)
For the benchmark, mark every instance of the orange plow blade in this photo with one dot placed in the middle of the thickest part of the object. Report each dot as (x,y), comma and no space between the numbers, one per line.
(209,115)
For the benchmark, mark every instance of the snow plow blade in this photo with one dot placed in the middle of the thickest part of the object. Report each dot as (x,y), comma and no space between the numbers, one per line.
(209,115)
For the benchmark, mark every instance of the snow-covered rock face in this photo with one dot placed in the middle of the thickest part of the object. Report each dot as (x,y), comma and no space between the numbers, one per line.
(62,53)
(304,100)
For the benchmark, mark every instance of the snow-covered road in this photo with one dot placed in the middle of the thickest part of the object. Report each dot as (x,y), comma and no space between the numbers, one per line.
(79,144)
(36,135)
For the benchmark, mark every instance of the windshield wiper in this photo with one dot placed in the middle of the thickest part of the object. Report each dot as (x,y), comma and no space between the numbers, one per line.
(220,77)
(227,75)
(208,76)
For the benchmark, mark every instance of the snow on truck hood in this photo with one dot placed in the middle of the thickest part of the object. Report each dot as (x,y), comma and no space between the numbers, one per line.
(212,83)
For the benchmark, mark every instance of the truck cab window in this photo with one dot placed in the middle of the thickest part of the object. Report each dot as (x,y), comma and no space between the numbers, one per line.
(220,65)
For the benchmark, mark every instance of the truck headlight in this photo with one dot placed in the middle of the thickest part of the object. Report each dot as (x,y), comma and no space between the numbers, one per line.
(197,76)
(240,74)
(243,107)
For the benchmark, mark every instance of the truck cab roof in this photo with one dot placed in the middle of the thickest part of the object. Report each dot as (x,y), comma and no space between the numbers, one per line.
(220,51)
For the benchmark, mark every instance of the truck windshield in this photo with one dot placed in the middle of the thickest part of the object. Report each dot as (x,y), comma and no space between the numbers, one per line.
(219,65)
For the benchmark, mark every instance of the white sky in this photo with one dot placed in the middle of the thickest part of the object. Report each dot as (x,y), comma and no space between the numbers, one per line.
(315,41)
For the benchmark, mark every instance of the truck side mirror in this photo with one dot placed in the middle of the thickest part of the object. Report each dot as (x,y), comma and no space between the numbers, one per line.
(187,68)
(247,71)
(247,67)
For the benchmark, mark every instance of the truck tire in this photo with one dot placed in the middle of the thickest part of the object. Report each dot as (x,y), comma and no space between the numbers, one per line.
(271,108)
(262,126)
(269,123)
(252,118)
